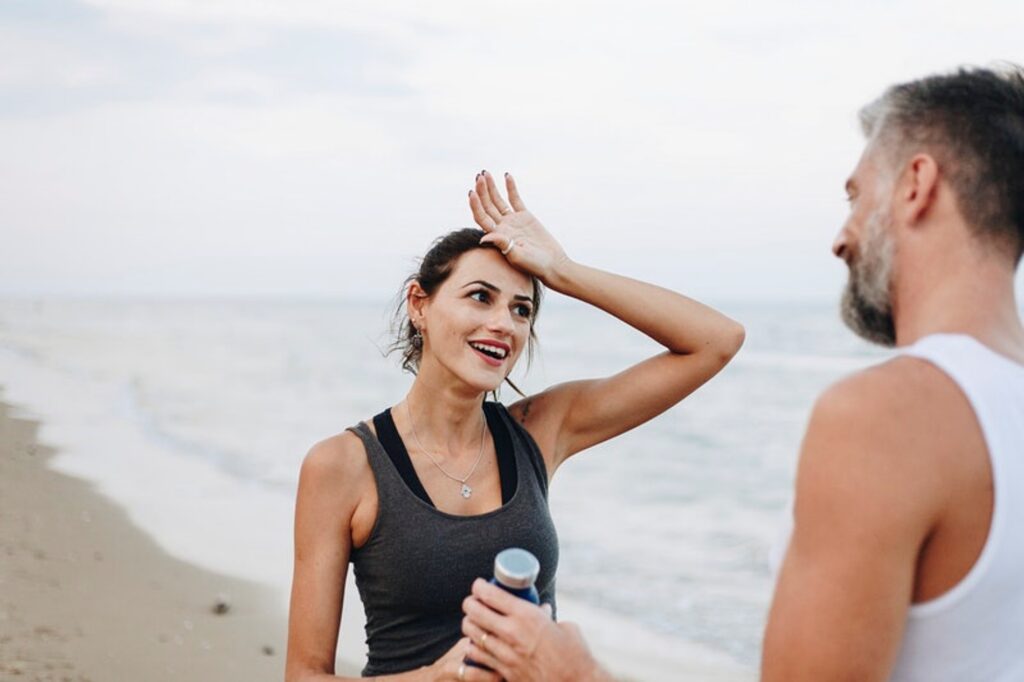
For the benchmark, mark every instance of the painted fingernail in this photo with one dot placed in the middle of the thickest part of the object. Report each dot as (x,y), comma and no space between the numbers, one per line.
(483,172)
(506,174)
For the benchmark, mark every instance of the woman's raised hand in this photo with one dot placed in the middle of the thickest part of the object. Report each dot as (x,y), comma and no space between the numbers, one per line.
(515,231)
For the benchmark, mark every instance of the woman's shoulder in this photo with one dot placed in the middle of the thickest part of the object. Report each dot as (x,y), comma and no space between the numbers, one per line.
(338,460)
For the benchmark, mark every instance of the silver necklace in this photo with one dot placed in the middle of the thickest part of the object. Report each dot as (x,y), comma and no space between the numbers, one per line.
(467,491)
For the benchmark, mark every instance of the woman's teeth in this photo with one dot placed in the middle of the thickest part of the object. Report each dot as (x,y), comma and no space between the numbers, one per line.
(492,351)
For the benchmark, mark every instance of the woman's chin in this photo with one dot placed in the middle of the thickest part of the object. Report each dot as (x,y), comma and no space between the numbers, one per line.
(490,386)
(486,383)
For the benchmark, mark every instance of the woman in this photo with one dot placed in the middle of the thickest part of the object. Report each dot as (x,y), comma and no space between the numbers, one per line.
(421,498)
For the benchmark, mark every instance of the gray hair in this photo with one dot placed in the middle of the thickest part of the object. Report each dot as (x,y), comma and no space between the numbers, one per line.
(971,122)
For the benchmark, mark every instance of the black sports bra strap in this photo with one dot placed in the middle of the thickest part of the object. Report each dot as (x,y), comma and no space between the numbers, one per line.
(507,469)
(388,436)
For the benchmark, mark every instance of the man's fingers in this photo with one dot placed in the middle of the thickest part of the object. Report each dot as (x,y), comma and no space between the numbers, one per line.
(513,193)
(485,221)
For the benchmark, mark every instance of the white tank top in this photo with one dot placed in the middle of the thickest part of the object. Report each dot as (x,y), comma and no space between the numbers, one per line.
(975,631)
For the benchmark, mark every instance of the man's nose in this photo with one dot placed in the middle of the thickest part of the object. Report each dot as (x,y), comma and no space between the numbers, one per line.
(841,245)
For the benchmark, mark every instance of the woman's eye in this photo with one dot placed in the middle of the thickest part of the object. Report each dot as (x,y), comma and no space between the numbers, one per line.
(523,310)
(479,296)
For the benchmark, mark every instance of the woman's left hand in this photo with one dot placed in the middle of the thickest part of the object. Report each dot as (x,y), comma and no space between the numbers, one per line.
(514,230)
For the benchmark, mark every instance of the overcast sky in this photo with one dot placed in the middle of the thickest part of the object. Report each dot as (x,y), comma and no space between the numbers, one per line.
(315,147)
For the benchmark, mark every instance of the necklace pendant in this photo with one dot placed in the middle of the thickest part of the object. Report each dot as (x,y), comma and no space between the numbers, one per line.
(467,492)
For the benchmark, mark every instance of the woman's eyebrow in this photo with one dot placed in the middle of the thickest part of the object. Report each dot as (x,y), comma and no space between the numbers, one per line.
(488,285)
(482,283)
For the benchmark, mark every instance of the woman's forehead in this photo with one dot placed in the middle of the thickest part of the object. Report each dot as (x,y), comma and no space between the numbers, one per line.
(489,266)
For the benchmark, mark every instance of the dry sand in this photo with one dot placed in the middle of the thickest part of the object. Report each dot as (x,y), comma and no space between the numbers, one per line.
(85,595)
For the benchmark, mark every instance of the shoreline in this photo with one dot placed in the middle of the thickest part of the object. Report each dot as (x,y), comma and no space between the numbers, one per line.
(86,595)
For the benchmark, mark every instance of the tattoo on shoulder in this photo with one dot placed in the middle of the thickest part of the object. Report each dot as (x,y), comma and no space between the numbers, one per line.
(525,412)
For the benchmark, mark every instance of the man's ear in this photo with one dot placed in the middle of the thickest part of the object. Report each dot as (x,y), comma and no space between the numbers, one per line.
(918,193)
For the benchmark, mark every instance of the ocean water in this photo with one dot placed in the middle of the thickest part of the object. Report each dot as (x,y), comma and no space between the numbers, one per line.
(195,416)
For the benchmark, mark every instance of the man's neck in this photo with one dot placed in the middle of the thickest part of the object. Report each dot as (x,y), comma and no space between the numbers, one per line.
(972,294)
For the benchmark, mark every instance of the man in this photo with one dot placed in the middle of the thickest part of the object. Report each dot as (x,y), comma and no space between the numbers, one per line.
(906,560)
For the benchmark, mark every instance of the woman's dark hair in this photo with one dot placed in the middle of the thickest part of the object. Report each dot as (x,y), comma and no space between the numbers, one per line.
(434,269)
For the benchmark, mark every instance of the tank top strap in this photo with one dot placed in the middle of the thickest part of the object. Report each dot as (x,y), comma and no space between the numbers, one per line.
(389,482)
(526,449)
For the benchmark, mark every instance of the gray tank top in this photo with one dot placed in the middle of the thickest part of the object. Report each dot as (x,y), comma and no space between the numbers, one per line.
(419,562)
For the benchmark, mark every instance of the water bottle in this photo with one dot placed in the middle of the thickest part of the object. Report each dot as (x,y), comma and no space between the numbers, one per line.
(515,571)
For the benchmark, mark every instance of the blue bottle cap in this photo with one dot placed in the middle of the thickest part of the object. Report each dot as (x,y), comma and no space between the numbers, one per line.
(516,568)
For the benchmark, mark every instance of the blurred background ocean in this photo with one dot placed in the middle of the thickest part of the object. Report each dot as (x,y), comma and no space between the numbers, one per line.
(195,415)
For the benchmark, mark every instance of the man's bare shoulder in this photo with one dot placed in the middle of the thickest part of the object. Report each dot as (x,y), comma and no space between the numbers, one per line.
(872,442)
(887,391)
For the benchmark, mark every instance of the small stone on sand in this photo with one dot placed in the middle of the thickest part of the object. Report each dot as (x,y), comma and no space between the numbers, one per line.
(221,605)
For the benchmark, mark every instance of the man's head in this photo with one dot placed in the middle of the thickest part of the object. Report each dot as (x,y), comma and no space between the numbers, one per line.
(964,132)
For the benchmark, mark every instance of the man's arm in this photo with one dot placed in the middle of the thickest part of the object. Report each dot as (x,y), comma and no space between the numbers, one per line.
(865,503)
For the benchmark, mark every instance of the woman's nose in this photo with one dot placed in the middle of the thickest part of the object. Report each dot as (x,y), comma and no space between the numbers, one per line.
(501,319)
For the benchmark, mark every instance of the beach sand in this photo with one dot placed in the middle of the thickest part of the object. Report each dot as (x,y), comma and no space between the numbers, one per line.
(85,595)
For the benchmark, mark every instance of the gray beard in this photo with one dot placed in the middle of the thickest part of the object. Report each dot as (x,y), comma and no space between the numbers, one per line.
(866,320)
(866,306)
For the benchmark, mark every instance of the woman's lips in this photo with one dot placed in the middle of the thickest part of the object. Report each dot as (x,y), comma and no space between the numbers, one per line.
(492,361)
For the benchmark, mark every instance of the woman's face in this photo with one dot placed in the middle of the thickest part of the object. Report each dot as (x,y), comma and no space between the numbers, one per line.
(478,321)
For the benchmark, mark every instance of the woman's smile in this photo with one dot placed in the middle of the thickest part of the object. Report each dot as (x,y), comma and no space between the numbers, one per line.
(494,353)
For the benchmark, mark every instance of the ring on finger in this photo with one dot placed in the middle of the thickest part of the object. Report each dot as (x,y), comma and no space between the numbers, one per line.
(483,641)
(506,211)
(511,245)
(462,671)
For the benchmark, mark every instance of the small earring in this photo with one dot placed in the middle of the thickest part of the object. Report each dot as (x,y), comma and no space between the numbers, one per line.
(417,339)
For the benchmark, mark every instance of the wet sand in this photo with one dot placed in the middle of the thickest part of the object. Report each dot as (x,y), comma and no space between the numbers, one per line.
(85,595)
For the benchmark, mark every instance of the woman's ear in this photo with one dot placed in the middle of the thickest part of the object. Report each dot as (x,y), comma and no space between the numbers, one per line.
(415,302)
